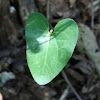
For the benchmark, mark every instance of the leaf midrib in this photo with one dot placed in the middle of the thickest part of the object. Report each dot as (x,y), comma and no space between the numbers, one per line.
(46,55)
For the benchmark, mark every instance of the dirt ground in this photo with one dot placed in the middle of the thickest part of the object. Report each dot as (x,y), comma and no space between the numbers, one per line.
(82,70)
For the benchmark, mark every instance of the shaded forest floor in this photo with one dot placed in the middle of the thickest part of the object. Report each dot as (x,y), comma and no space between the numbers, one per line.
(16,82)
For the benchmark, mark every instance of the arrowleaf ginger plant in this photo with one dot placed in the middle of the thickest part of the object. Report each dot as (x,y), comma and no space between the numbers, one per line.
(47,53)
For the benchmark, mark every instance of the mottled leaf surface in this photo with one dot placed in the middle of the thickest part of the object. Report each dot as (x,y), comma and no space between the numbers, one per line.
(47,54)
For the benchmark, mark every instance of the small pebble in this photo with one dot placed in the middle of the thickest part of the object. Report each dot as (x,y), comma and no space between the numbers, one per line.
(1,97)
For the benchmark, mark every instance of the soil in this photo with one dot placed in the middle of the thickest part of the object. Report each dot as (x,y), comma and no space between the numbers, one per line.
(80,69)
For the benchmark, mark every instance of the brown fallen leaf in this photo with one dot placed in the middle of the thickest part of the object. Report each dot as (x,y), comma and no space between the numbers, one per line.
(85,2)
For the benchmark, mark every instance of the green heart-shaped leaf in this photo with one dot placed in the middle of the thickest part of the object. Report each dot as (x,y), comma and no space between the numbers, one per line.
(47,54)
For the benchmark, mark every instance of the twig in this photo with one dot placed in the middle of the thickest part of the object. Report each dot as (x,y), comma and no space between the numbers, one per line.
(64,94)
(68,82)
(92,15)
